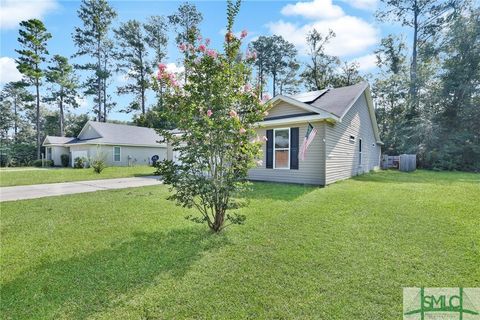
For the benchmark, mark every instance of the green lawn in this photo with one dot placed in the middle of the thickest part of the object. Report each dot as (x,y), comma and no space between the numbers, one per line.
(18,177)
(341,252)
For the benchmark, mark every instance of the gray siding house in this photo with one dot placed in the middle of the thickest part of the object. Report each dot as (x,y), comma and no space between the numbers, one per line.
(347,142)
(118,144)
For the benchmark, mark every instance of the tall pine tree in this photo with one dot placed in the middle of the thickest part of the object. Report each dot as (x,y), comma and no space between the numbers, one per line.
(92,40)
(33,40)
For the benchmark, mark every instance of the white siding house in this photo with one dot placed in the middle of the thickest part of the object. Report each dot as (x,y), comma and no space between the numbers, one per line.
(117,144)
(346,144)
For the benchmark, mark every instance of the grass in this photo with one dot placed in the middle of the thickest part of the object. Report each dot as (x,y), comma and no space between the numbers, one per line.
(17,177)
(341,252)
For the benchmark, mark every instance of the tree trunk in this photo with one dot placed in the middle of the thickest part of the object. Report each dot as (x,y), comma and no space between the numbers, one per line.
(142,86)
(37,85)
(219,219)
(413,67)
(105,91)
(61,118)
(15,120)
(274,75)
(99,90)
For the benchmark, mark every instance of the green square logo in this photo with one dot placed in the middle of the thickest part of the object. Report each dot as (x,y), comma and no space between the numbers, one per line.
(441,303)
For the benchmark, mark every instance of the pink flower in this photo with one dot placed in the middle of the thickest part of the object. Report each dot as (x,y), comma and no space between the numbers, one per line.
(182,47)
(209,113)
(243,34)
(250,55)
(265,113)
(265,97)
(162,67)
(207,41)
(264,138)
(247,87)
(260,162)
(202,48)
(242,130)
(212,53)
(233,114)
(199,38)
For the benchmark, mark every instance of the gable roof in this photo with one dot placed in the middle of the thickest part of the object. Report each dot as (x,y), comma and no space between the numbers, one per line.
(338,100)
(121,134)
(54,140)
(329,104)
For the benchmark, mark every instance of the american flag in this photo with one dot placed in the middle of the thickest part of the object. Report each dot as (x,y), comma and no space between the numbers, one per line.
(309,135)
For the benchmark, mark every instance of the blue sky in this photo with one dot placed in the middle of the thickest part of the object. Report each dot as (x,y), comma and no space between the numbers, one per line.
(358,33)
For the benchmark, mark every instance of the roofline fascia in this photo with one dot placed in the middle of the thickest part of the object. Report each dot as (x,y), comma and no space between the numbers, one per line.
(54,145)
(294,120)
(160,145)
(302,105)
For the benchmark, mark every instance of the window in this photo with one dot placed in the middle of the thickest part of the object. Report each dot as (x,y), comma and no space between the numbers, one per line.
(49,153)
(281,145)
(116,154)
(359,152)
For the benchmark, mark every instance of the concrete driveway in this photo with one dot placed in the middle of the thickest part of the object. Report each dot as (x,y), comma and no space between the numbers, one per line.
(58,189)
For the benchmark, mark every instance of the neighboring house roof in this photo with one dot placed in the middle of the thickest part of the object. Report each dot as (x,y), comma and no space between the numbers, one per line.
(115,134)
(328,104)
(53,140)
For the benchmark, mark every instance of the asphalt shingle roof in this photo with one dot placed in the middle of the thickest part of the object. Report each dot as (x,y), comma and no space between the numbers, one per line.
(59,140)
(337,100)
(113,133)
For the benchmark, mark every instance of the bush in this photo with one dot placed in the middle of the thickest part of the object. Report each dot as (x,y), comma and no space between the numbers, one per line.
(98,165)
(65,158)
(42,163)
(5,160)
(79,163)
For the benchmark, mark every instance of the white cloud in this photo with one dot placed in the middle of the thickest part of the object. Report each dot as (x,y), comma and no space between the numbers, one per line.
(15,11)
(317,9)
(366,62)
(353,34)
(83,105)
(8,70)
(173,68)
(369,5)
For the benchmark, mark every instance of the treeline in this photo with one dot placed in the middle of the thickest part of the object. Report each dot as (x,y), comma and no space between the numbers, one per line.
(426,93)
(428,97)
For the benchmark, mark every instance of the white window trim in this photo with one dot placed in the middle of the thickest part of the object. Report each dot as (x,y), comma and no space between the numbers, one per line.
(120,154)
(360,151)
(274,149)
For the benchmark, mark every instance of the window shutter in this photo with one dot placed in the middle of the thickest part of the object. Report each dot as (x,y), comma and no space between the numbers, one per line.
(269,159)
(294,148)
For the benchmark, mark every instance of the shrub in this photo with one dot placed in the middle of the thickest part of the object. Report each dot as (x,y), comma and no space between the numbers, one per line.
(65,158)
(42,163)
(5,160)
(79,162)
(98,165)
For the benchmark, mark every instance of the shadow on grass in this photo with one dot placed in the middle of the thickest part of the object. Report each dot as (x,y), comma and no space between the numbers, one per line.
(84,285)
(419,176)
(277,191)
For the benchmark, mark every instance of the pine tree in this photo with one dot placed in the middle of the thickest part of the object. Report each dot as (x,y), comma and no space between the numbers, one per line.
(33,40)
(63,89)
(92,40)
(132,60)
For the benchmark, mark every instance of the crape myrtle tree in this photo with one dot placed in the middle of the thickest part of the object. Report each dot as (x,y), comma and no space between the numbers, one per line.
(214,112)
